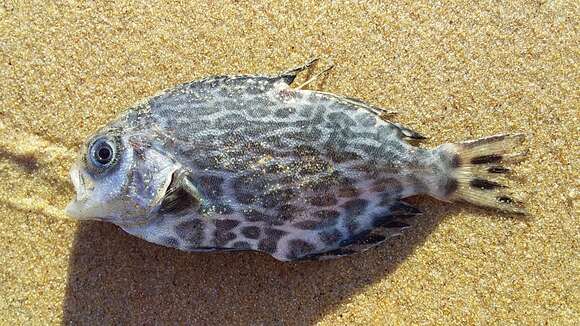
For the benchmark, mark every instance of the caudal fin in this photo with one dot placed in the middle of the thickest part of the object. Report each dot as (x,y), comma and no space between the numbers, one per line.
(476,171)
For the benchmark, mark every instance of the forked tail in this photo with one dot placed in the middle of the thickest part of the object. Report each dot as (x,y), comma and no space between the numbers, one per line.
(475,171)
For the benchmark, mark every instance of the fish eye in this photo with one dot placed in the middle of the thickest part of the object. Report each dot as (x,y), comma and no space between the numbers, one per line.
(102,153)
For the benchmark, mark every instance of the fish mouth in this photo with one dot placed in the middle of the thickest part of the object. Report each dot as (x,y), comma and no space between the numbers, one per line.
(74,210)
(77,207)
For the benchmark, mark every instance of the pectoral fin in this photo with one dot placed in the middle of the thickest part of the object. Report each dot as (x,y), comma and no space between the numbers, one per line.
(181,194)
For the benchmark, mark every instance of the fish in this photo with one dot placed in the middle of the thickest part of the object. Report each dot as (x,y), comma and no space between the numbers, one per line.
(248,162)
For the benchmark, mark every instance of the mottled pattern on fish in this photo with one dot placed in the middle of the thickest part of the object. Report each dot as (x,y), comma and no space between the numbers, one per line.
(293,173)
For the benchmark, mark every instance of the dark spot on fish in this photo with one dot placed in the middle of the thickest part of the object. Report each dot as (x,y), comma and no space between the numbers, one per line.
(256,148)
(191,231)
(257,112)
(308,135)
(274,168)
(250,183)
(202,163)
(385,132)
(323,200)
(355,207)
(387,199)
(396,225)
(330,237)
(324,183)
(274,233)
(352,226)
(418,183)
(245,198)
(484,184)
(505,200)
(450,187)
(374,151)
(498,169)
(367,135)
(256,106)
(307,225)
(456,161)
(285,213)
(313,224)
(222,209)
(210,186)
(275,141)
(327,214)
(305,150)
(270,200)
(170,242)
(206,110)
(226,225)
(354,238)
(366,120)
(348,191)
(341,119)
(340,252)
(286,180)
(391,186)
(221,237)
(253,215)
(485,159)
(251,232)
(230,122)
(284,112)
(338,156)
(373,238)
(311,166)
(298,248)
(306,111)
(364,238)
(258,88)
(402,209)
(270,243)
(229,138)
(277,197)
(371,168)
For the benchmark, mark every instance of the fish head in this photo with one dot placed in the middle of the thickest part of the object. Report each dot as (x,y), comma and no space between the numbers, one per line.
(120,177)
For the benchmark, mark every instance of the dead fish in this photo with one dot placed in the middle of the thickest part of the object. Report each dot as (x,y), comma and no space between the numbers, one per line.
(250,163)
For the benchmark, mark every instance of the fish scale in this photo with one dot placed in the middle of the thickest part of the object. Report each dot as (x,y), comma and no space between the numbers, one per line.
(250,163)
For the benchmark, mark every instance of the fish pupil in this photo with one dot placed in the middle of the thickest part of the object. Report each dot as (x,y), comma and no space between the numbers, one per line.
(104,154)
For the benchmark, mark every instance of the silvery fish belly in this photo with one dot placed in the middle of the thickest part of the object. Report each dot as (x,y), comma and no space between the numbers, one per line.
(250,163)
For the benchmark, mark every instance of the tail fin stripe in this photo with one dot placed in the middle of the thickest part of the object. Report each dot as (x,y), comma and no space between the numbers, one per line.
(505,200)
(485,184)
(473,171)
(485,159)
(498,169)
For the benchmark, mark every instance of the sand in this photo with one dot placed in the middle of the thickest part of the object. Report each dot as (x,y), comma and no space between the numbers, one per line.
(453,72)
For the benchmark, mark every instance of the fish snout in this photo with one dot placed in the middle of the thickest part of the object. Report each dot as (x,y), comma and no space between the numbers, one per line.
(83,186)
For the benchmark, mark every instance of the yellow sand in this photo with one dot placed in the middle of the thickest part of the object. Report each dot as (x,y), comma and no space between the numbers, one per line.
(454,72)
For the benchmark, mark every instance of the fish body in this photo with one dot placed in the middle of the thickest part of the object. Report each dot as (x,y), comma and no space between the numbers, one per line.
(250,163)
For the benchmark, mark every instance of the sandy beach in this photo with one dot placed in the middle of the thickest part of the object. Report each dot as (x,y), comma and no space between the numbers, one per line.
(452,71)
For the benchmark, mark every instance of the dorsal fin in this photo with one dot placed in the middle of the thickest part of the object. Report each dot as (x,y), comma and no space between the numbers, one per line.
(403,132)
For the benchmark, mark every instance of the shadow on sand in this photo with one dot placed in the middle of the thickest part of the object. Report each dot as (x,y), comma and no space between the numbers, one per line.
(115,278)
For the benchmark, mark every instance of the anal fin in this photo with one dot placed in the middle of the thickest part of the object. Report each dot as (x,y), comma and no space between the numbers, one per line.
(384,227)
